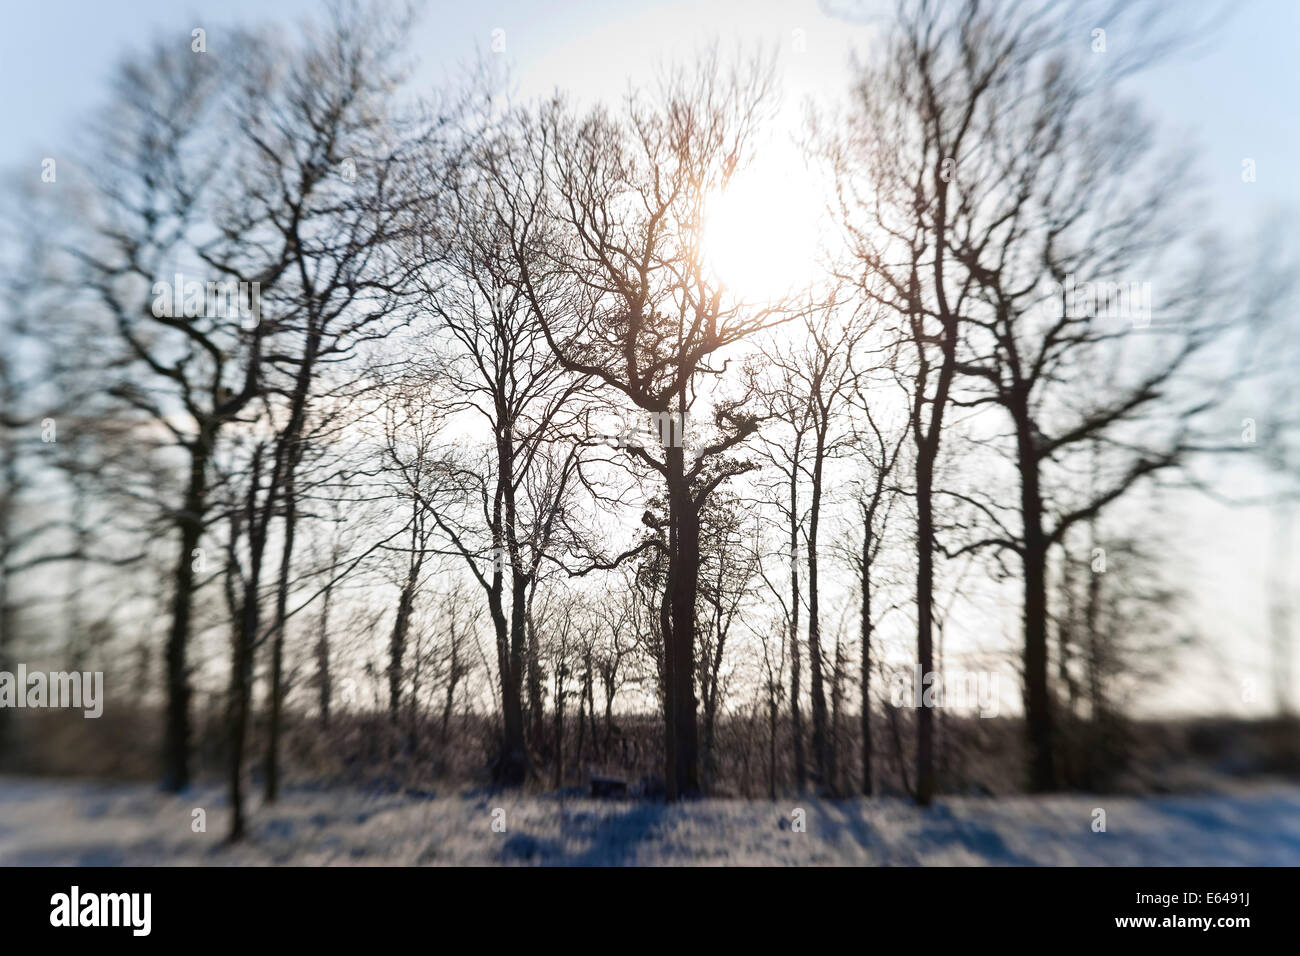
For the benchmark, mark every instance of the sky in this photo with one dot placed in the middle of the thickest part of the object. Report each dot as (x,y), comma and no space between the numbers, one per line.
(1236,98)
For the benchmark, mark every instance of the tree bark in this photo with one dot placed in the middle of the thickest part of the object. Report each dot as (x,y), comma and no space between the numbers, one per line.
(536,706)
(924,623)
(176,741)
(865,626)
(1039,728)
(796,719)
(821,741)
(245,642)
(272,784)
(323,683)
(682,771)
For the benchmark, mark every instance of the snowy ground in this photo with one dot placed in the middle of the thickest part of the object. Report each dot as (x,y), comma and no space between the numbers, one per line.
(69,823)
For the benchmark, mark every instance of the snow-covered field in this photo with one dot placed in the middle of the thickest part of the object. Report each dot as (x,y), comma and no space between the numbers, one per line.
(69,823)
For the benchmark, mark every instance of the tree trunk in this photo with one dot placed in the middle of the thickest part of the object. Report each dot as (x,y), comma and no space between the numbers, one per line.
(537,713)
(711,686)
(1096,692)
(928,438)
(821,741)
(609,678)
(591,705)
(176,740)
(924,621)
(837,700)
(272,783)
(241,678)
(1038,711)
(245,642)
(323,685)
(453,676)
(899,760)
(402,623)
(501,625)
(865,630)
(559,724)
(288,457)
(796,719)
(773,710)
(513,767)
(512,760)
(682,771)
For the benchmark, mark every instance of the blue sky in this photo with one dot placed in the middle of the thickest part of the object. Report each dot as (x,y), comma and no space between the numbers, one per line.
(1238,97)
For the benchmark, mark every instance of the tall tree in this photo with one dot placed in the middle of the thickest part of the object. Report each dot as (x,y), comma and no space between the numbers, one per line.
(321,198)
(647,318)
(185,367)
(814,369)
(493,367)
(896,209)
(1059,251)
(878,446)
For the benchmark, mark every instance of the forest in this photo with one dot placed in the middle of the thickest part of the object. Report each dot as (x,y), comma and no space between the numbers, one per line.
(651,446)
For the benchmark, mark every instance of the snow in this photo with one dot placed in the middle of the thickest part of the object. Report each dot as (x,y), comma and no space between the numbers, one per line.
(71,823)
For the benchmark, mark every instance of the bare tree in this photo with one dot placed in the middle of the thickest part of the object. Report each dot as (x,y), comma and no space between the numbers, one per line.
(646,318)
(994,191)
(876,496)
(156,184)
(784,448)
(895,206)
(818,375)
(493,366)
(729,556)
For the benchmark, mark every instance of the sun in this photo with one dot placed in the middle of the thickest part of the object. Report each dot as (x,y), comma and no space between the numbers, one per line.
(761,234)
